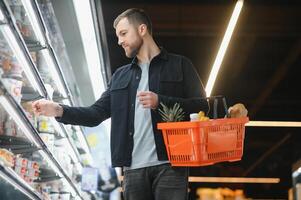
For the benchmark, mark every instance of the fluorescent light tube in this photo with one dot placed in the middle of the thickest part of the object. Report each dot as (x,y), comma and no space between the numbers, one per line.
(233,180)
(55,74)
(273,124)
(34,21)
(296,173)
(10,38)
(11,110)
(92,53)
(224,45)
(1,16)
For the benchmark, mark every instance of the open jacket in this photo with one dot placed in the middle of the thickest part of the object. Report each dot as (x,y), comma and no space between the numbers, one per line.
(171,76)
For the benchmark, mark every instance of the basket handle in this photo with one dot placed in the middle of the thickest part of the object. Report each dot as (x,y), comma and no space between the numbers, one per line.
(215,103)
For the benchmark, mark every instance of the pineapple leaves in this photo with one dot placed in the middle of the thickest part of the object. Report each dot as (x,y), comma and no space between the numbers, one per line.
(174,114)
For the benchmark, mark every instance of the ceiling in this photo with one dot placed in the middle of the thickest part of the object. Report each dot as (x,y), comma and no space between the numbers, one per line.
(261,69)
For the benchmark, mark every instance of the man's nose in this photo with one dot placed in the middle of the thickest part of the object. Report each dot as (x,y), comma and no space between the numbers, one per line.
(120,41)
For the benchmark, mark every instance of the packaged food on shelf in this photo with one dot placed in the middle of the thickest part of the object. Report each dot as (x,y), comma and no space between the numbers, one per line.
(48,139)
(44,125)
(15,68)
(14,87)
(43,188)
(20,170)
(21,162)
(29,112)
(16,8)
(22,20)
(26,169)
(33,165)
(6,158)
(64,196)
(63,158)
(3,118)
(54,196)
(10,128)
(32,173)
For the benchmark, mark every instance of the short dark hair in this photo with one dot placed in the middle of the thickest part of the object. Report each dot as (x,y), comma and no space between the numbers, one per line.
(135,16)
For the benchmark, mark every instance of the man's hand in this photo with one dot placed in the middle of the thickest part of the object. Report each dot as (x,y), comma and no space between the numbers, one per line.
(148,99)
(47,108)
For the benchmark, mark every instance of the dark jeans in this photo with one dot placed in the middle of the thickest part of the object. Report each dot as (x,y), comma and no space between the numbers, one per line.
(161,182)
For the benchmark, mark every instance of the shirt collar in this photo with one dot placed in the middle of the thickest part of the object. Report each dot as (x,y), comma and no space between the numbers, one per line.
(162,55)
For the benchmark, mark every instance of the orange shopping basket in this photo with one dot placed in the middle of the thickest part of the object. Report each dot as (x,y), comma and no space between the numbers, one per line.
(200,143)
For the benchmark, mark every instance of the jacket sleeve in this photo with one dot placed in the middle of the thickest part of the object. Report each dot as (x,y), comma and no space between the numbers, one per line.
(194,93)
(88,116)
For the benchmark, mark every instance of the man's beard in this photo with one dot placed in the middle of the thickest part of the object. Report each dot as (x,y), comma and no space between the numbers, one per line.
(136,48)
(133,53)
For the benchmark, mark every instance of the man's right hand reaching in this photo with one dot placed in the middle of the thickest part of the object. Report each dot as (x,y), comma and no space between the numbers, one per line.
(47,108)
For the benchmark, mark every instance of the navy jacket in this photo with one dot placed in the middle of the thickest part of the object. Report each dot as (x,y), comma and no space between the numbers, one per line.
(171,76)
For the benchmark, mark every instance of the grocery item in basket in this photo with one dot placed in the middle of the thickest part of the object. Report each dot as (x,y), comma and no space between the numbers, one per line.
(174,114)
(202,116)
(238,110)
(194,117)
(198,116)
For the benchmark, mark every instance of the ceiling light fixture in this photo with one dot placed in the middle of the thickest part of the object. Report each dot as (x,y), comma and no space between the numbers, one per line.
(223,47)
(233,180)
(273,124)
(94,59)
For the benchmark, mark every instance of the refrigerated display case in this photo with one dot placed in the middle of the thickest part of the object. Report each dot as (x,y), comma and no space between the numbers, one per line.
(38,156)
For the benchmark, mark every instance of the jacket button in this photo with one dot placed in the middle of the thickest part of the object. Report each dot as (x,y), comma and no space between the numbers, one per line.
(131,133)
(137,77)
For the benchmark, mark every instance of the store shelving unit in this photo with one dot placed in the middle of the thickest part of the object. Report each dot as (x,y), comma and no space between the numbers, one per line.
(38,156)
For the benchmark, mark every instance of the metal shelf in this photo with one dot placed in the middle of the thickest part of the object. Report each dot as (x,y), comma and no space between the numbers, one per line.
(10,176)
(43,44)
(18,115)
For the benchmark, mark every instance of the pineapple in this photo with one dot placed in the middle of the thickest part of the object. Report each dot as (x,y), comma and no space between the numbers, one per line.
(174,114)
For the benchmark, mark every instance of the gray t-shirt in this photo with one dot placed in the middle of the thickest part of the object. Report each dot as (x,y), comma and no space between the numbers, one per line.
(144,153)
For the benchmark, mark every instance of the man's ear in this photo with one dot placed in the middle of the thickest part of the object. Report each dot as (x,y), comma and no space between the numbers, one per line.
(142,29)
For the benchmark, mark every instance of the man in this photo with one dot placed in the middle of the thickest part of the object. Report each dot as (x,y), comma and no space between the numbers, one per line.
(132,101)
